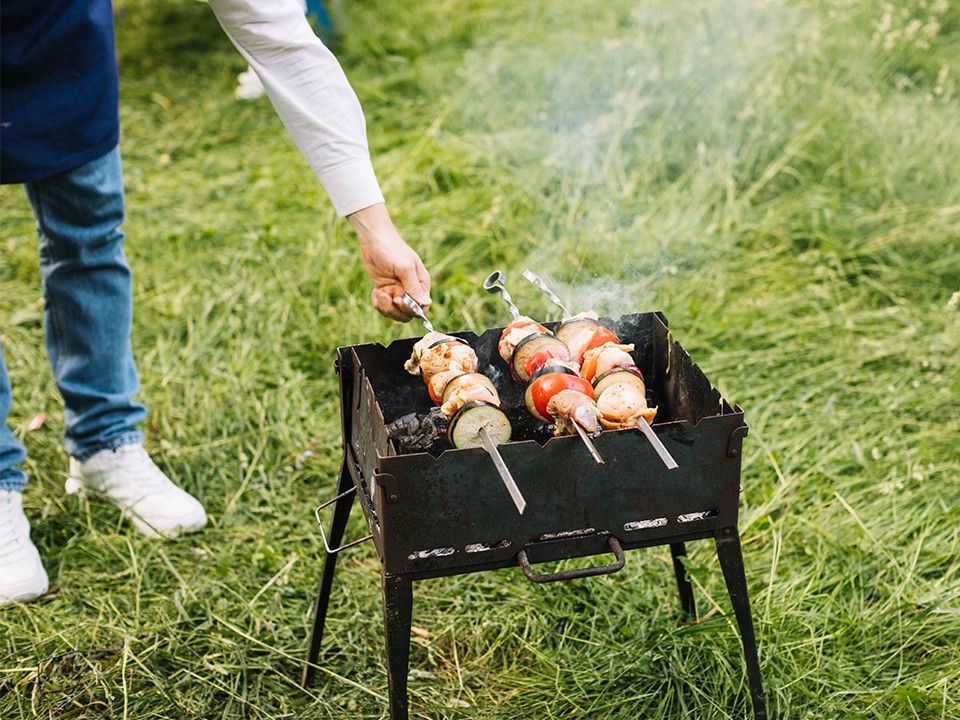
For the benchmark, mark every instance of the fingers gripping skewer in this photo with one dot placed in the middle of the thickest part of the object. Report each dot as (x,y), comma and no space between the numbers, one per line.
(417,310)
(535,279)
(494,284)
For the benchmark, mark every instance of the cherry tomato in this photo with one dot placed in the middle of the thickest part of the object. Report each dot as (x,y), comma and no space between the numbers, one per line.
(546,386)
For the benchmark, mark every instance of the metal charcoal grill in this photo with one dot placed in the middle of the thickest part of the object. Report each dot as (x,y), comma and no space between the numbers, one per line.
(445,512)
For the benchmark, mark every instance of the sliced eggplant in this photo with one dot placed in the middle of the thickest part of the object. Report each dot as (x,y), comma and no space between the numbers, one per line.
(476,377)
(622,373)
(530,346)
(464,428)
(571,326)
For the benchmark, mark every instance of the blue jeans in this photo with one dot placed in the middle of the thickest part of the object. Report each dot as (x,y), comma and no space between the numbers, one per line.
(88,312)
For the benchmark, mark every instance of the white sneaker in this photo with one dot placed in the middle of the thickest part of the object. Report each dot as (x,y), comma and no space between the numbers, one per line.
(22,576)
(129,479)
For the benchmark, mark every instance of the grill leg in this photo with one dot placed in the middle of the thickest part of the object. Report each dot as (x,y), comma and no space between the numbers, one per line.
(678,550)
(731,561)
(338,524)
(397,616)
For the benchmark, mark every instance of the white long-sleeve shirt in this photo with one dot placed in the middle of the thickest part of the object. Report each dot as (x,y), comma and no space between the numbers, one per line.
(310,93)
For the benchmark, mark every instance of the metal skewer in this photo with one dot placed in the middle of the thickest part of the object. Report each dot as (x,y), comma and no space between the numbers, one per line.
(494,283)
(417,310)
(657,445)
(535,279)
(588,442)
(504,471)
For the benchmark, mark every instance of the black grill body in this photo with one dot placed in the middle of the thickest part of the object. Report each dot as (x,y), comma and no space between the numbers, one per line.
(446,512)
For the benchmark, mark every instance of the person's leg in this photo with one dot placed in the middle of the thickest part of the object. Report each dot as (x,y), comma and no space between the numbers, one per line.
(88,309)
(12,451)
(22,576)
(88,313)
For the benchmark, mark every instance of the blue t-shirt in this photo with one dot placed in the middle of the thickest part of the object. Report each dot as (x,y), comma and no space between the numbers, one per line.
(58,86)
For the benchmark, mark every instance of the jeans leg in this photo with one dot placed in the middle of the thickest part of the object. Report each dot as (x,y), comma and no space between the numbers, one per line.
(12,451)
(88,304)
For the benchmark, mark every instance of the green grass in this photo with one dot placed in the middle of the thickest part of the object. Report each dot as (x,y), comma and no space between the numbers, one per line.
(781,179)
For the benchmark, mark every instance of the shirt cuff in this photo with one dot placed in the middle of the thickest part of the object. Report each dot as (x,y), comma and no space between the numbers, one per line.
(352,186)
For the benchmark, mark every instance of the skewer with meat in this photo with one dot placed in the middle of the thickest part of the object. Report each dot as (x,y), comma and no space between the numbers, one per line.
(468,399)
(555,394)
(536,356)
(618,385)
(621,393)
(619,389)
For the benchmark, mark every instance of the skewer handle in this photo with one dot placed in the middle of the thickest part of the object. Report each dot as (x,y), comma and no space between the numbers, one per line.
(657,445)
(504,471)
(535,279)
(417,310)
(589,443)
(494,283)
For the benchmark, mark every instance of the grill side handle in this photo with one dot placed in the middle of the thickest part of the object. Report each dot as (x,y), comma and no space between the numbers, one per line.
(576,573)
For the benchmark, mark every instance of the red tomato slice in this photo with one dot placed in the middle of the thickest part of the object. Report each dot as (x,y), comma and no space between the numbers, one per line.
(600,336)
(546,386)
(536,361)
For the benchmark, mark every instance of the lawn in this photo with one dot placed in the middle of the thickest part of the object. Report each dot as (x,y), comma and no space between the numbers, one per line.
(780,178)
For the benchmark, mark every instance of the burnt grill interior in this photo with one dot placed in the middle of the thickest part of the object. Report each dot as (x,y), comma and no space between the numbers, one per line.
(440,511)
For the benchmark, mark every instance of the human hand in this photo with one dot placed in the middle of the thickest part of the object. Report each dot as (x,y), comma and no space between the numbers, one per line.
(392,265)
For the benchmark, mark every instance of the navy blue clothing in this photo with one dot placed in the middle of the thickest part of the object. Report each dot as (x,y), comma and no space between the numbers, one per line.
(58,86)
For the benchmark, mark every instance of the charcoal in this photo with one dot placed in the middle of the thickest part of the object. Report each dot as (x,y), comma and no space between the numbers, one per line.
(416,432)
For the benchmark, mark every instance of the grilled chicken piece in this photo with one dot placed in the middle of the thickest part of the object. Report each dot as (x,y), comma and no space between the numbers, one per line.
(428,358)
(514,333)
(621,405)
(554,364)
(439,380)
(579,335)
(612,356)
(605,357)
(449,356)
(569,407)
(412,365)
(466,392)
